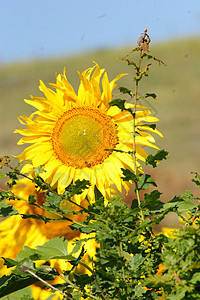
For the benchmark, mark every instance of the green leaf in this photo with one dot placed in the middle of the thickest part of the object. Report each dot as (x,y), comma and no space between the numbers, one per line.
(83,279)
(134,204)
(195,278)
(82,228)
(9,262)
(139,291)
(13,283)
(52,202)
(153,159)
(76,261)
(153,126)
(144,224)
(187,195)
(147,95)
(20,278)
(152,199)
(39,181)
(23,294)
(25,263)
(78,245)
(38,217)
(7,210)
(182,204)
(23,266)
(128,175)
(124,90)
(135,261)
(118,102)
(180,294)
(77,188)
(54,248)
(145,181)
(197,179)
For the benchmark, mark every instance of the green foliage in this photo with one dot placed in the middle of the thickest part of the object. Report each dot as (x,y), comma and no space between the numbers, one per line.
(154,159)
(13,283)
(129,175)
(119,103)
(144,181)
(147,95)
(124,90)
(38,217)
(23,294)
(130,252)
(23,274)
(77,188)
(6,210)
(56,248)
(197,179)
(40,183)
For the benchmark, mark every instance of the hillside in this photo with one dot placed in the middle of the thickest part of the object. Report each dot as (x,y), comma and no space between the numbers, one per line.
(177,105)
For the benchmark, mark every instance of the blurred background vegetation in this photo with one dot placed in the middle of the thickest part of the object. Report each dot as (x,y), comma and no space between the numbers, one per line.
(177,106)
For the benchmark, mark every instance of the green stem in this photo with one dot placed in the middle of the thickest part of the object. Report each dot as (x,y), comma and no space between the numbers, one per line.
(26,270)
(121,254)
(134,134)
(50,190)
(94,275)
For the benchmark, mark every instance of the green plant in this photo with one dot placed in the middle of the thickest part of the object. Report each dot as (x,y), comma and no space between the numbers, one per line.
(132,260)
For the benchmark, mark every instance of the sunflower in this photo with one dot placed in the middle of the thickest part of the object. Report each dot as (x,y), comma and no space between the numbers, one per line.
(70,131)
(15,233)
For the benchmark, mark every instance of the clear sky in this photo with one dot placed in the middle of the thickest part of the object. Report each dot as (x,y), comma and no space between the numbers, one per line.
(32,29)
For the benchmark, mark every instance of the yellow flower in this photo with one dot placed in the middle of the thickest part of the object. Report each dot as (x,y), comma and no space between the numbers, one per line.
(70,131)
(169,232)
(15,233)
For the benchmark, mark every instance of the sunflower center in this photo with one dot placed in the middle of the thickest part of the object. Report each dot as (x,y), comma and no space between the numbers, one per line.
(81,135)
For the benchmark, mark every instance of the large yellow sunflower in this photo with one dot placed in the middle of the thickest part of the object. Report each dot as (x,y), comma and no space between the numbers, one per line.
(70,131)
(15,233)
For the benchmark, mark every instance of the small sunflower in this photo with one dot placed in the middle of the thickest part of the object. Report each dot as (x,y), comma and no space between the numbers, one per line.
(15,233)
(70,131)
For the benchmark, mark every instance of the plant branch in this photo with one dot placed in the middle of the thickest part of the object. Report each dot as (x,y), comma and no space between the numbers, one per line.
(93,273)
(26,270)
(134,131)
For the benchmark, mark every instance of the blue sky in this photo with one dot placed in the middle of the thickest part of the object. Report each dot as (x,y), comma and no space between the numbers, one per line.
(31,29)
